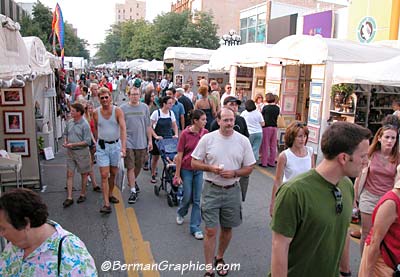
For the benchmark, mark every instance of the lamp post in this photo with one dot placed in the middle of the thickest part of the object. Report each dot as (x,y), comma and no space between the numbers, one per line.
(232,38)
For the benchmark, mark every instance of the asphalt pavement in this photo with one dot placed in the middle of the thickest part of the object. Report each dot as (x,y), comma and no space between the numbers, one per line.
(146,232)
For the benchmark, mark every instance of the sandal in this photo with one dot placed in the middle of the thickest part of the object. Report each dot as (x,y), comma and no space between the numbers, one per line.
(217,263)
(345,274)
(81,199)
(211,274)
(97,189)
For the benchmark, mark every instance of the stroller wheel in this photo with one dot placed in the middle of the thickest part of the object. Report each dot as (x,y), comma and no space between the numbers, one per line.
(170,200)
(156,190)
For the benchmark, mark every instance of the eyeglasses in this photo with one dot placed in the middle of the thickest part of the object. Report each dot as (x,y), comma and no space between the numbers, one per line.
(301,124)
(134,94)
(103,97)
(339,200)
(228,88)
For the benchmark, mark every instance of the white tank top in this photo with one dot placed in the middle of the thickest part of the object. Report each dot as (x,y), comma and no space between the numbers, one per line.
(296,165)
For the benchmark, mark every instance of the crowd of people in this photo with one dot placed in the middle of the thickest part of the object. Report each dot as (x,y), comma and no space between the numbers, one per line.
(311,205)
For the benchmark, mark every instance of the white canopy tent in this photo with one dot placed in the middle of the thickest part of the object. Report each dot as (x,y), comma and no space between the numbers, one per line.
(202,68)
(247,55)
(377,73)
(153,65)
(38,60)
(134,65)
(14,67)
(305,49)
(187,53)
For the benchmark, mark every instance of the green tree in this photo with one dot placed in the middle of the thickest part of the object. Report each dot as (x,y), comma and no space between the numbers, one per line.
(40,26)
(141,39)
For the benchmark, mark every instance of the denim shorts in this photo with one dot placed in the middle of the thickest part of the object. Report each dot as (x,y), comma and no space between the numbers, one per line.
(109,156)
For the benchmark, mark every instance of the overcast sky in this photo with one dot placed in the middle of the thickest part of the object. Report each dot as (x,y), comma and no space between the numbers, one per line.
(93,17)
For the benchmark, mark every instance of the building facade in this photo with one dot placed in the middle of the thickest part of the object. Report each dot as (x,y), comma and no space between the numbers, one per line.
(130,10)
(226,12)
(11,9)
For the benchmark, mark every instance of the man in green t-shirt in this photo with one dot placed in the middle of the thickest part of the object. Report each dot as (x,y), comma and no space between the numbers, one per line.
(312,211)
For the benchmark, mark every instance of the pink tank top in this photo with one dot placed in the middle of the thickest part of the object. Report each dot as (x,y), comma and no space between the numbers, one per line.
(380,177)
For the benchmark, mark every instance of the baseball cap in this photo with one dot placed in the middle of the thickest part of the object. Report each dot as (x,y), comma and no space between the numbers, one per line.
(232,99)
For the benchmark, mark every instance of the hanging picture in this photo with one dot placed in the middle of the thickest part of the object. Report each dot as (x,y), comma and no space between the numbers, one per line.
(274,72)
(12,96)
(292,71)
(317,71)
(313,134)
(316,90)
(273,88)
(289,104)
(13,122)
(314,112)
(18,146)
(291,86)
(178,80)
(260,82)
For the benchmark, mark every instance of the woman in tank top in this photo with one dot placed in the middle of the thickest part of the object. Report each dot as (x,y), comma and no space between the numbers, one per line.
(207,106)
(384,157)
(296,159)
(382,246)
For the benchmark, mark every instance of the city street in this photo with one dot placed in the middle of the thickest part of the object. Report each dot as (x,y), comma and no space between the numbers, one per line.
(146,232)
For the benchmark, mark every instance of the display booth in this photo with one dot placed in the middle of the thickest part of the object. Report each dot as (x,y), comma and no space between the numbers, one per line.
(152,69)
(245,64)
(44,94)
(16,103)
(180,61)
(301,71)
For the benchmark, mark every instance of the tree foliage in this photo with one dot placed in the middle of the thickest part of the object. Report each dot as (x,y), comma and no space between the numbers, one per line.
(141,39)
(40,26)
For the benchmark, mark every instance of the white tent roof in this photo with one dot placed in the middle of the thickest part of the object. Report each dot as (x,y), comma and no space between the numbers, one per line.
(134,65)
(55,62)
(153,65)
(248,55)
(38,60)
(379,73)
(202,68)
(13,54)
(187,53)
(77,62)
(317,50)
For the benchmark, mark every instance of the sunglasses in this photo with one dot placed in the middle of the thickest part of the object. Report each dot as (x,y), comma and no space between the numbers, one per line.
(339,200)
(228,88)
(103,97)
(301,124)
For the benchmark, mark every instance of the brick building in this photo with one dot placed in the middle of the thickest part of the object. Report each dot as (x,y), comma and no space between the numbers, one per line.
(130,10)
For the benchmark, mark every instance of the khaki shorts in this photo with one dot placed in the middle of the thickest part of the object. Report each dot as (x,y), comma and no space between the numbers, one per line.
(79,160)
(135,158)
(368,201)
(221,206)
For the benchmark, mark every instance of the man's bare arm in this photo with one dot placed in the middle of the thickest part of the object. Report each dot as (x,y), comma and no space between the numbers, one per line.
(279,256)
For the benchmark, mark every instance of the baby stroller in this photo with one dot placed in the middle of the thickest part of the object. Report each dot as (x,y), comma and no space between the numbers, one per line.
(168,150)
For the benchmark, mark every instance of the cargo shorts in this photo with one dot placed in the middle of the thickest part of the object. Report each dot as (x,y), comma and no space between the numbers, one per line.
(79,160)
(221,206)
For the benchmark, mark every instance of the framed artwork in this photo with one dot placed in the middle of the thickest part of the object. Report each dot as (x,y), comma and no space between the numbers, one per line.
(12,97)
(260,82)
(289,103)
(317,71)
(313,135)
(274,72)
(18,146)
(273,88)
(178,80)
(13,122)
(316,90)
(292,71)
(314,112)
(289,119)
(291,86)
(281,137)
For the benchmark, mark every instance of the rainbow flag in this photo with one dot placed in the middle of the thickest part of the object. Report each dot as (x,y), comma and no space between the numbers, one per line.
(57,27)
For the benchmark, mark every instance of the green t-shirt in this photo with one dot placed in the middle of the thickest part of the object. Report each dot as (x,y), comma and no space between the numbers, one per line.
(305,210)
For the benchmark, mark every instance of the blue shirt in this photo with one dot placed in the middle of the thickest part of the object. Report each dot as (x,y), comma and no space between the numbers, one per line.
(178,110)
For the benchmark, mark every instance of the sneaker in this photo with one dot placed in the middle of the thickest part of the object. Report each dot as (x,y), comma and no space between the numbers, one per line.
(179,220)
(132,198)
(137,188)
(198,235)
(153,179)
(105,209)
(68,202)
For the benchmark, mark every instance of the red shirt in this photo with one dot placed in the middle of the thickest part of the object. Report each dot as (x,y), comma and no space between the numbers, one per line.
(392,237)
(187,143)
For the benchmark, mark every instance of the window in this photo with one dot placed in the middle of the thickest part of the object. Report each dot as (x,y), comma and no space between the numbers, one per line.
(119,17)
(261,19)
(261,33)
(251,35)
(243,35)
(130,17)
(137,6)
(243,23)
(123,10)
(137,14)
(251,21)
(130,9)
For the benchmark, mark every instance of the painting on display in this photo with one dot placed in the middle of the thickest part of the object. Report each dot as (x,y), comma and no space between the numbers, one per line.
(18,146)
(13,122)
(289,104)
(292,71)
(291,86)
(273,88)
(314,112)
(274,72)
(316,90)
(313,134)
(178,80)
(12,97)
